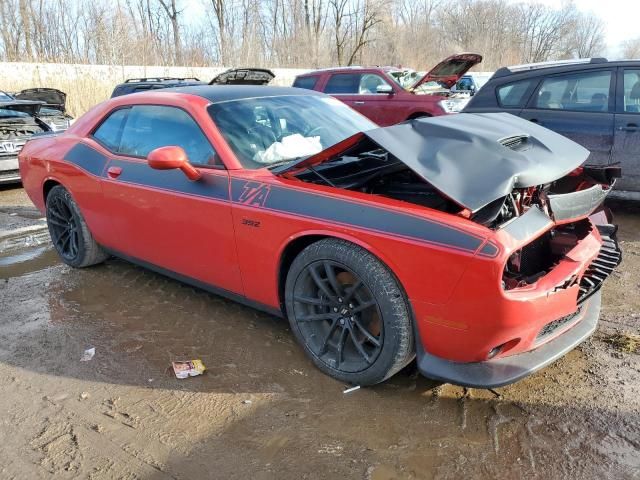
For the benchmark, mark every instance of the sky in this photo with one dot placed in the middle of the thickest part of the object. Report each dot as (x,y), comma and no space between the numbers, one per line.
(621,19)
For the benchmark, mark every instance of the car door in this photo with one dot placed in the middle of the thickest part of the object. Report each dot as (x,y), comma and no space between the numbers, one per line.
(580,106)
(160,217)
(380,107)
(626,145)
(345,87)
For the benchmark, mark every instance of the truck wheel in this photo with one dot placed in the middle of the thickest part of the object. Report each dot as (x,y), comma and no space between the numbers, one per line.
(348,312)
(69,232)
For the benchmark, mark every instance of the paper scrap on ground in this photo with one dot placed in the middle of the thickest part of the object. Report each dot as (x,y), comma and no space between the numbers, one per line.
(88,354)
(352,389)
(189,368)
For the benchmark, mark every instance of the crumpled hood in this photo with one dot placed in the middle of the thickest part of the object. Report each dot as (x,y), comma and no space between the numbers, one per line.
(472,158)
(476,158)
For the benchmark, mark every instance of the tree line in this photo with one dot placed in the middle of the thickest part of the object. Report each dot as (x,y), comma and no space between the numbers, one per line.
(294,33)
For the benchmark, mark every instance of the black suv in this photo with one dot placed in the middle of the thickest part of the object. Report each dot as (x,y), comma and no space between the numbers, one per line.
(594,102)
(133,85)
(233,76)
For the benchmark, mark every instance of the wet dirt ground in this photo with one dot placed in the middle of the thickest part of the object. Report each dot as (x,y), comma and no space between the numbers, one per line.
(262,410)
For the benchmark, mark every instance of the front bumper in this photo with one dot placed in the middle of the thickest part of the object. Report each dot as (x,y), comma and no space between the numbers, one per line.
(552,341)
(506,370)
(9,171)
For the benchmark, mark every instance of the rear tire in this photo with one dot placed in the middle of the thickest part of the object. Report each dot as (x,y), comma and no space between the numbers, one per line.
(348,312)
(69,232)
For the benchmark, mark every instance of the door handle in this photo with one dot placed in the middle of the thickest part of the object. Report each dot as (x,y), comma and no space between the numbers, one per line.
(114,172)
(630,127)
(358,103)
(534,120)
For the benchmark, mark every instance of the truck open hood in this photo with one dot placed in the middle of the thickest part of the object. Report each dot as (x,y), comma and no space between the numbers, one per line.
(50,96)
(244,76)
(473,159)
(449,70)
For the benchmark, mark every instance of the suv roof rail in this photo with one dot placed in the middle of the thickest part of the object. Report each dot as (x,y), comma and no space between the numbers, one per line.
(553,63)
(159,79)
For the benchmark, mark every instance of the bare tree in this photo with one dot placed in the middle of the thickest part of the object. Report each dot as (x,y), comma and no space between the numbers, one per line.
(169,6)
(631,48)
(295,33)
(542,30)
(587,37)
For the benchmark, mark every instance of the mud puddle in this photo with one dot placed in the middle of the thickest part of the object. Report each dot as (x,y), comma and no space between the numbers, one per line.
(262,410)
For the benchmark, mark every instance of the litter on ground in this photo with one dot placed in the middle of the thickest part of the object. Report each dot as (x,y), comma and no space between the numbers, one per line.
(189,368)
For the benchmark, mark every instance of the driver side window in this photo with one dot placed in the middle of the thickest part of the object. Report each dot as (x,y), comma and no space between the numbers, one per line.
(137,130)
(369,83)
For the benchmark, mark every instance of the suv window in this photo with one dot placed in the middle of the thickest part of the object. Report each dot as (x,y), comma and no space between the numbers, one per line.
(587,91)
(306,82)
(343,83)
(369,82)
(513,94)
(110,131)
(632,91)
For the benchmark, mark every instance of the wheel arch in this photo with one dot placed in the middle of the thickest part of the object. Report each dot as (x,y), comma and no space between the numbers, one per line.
(48,184)
(415,115)
(297,243)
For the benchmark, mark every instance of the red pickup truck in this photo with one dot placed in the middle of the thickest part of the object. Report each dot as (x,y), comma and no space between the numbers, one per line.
(389,95)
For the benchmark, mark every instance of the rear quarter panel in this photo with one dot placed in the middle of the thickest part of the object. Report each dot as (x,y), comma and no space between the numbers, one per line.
(42,160)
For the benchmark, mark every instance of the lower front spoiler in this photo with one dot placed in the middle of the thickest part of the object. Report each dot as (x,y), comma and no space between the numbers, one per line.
(506,370)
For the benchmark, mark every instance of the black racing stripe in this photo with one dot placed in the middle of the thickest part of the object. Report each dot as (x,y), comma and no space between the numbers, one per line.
(140,173)
(359,215)
(87,158)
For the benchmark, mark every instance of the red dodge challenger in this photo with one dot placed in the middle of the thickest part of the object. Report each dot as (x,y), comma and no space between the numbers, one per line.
(475,242)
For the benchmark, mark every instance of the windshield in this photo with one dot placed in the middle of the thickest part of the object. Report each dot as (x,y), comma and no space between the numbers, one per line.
(405,78)
(273,130)
(5,97)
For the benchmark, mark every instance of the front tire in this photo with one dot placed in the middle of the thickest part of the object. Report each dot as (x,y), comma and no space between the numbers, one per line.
(69,232)
(348,312)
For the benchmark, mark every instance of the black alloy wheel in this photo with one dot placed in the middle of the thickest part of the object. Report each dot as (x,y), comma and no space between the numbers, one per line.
(338,316)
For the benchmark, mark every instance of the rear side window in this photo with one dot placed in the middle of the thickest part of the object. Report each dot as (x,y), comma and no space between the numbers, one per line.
(588,92)
(513,95)
(632,91)
(109,132)
(306,82)
(152,126)
(343,83)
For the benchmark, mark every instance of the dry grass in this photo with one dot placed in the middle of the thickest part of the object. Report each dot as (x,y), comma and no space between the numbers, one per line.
(82,92)
(88,85)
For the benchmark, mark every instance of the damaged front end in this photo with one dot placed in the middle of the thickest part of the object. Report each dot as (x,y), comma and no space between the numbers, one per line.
(523,182)
(17,124)
(531,292)
(490,168)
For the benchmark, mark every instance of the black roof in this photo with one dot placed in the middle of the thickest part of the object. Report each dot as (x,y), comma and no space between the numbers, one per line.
(550,68)
(225,93)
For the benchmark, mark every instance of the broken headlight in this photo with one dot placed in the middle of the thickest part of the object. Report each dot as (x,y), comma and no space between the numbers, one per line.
(453,105)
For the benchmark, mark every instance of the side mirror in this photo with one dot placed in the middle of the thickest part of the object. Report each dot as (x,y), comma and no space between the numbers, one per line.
(388,89)
(172,157)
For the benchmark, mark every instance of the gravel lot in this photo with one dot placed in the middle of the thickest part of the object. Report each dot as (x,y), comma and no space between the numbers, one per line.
(262,410)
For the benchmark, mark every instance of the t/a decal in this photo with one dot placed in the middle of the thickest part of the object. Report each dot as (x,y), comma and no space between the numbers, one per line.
(254,193)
